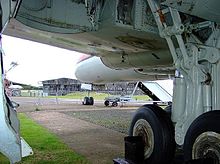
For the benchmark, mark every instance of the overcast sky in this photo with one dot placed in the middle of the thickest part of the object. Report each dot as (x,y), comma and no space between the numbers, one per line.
(36,61)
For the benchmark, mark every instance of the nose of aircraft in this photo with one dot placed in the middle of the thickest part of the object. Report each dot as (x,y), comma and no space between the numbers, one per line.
(81,68)
(85,69)
(79,72)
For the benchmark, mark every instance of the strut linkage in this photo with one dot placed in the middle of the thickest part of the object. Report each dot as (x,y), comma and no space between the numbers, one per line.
(198,90)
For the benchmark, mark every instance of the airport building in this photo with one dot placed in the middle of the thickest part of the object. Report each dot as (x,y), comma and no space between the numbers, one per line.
(61,86)
(118,88)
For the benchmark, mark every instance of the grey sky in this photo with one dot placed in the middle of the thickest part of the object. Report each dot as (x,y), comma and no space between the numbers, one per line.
(36,61)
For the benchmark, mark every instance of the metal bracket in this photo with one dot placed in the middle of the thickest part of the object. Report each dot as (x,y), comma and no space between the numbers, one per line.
(198,91)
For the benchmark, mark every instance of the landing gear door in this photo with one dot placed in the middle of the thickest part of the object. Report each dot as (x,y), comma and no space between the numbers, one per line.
(10,142)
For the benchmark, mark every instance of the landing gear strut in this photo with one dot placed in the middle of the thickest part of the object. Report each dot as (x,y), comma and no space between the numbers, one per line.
(196,105)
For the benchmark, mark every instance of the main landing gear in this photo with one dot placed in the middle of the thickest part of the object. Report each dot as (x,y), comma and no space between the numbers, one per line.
(195,116)
(154,125)
(88,101)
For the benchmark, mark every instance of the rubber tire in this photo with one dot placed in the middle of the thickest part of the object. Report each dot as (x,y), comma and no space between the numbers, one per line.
(114,104)
(209,121)
(91,101)
(106,103)
(86,101)
(168,110)
(164,142)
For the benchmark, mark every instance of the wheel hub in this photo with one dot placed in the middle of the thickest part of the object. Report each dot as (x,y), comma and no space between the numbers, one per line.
(142,128)
(207,145)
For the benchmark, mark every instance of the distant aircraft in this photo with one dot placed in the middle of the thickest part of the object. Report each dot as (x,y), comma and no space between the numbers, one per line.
(155,38)
(92,70)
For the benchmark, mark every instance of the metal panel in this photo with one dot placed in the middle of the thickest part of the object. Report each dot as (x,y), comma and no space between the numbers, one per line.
(207,9)
(59,16)
(25,148)
(160,92)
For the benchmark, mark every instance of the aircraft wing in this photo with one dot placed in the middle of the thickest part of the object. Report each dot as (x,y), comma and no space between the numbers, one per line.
(123,34)
(100,27)
(108,38)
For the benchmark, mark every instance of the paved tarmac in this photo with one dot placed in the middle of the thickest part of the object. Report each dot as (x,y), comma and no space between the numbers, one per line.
(98,144)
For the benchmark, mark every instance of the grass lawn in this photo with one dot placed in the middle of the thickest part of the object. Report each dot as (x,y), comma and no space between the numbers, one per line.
(48,149)
(96,96)
(81,95)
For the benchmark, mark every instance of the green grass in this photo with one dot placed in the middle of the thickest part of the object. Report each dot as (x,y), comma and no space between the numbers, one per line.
(141,97)
(81,95)
(96,96)
(48,149)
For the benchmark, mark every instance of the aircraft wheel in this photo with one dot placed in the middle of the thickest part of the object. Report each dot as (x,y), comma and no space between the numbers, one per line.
(114,104)
(154,125)
(203,138)
(168,110)
(91,101)
(106,103)
(86,101)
